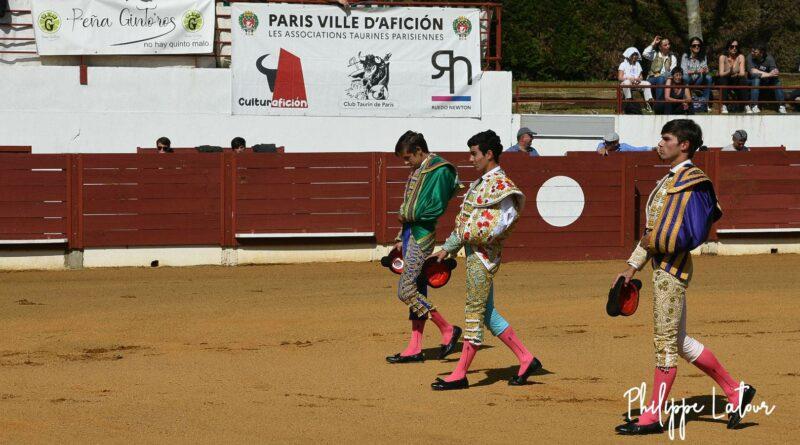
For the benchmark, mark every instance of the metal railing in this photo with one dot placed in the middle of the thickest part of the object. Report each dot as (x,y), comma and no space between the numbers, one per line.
(490,29)
(538,93)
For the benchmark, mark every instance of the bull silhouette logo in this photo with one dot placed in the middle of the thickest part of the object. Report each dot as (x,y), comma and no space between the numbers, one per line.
(369,79)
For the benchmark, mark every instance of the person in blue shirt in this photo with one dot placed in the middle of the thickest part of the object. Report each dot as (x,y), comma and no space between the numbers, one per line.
(611,144)
(524,140)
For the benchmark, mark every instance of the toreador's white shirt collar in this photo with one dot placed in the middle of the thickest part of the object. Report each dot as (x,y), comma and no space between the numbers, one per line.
(680,166)
(490,172)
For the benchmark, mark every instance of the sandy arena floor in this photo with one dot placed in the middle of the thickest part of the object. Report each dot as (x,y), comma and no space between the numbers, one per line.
(295,354)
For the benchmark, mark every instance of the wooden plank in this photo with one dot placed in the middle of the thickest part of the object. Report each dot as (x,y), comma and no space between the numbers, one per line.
(151,206)
(131,160)
(146,222)
(157,237)
(261,191)
(601,193)
(32,192)
(276,160)
(28,161)
(773,217)
(727,159)
(559,254)
(151,176)
(32,209)
(31,236)
(7,149)
(583,224)
(760,172)
(149,191)
(762,187)
(776,201)
(565,240)
(20,177)
(303,175)
(302,206)
(304,223)
(32,225)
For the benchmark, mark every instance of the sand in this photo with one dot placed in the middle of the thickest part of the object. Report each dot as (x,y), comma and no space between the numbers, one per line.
(295,354)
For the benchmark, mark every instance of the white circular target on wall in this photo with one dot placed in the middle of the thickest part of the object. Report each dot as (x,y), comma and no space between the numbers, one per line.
(560,201)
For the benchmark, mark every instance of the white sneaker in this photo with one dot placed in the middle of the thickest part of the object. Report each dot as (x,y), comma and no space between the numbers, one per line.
(748,110)
(782,109)
(724,110)
(756,110)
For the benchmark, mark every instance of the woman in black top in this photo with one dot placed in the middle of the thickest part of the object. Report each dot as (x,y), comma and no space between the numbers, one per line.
(679,98)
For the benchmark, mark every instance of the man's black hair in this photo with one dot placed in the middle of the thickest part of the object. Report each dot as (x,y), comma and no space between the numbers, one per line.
(238,142)
(163,140)
(487,141)
(685,130)
(411,141)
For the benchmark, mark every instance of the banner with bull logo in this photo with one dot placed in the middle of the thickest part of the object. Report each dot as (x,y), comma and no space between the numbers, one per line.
(320,60)
(76,27)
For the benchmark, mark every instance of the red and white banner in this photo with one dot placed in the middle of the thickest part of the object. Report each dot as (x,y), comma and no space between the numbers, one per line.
(322,61)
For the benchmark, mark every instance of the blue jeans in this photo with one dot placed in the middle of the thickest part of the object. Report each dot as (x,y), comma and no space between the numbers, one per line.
(658,93)
(700,79)
(769,81)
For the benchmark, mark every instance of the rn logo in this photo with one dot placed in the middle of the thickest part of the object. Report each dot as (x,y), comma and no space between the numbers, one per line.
(450,68)
(285,82)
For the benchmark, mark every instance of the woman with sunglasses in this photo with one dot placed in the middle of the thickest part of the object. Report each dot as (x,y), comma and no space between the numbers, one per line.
(695,68)
(732,72)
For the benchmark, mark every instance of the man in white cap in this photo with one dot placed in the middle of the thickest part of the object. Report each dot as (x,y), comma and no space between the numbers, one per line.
(739,138)
(611,144)
(524,140)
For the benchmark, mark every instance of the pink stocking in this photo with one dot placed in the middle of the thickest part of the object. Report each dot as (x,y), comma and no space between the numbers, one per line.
(509,337)
(415,343)
(662,379)
(467,354)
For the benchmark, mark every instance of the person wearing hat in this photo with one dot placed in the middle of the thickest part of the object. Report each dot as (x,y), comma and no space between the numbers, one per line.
(490,209)
(611,144)
(524,140)
(739,137)
(680,211)
(429,187)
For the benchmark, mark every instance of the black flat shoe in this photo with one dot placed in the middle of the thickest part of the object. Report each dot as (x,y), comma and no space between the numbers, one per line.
(397,358)
(519,380)
(735,417)
(441,385)
(449,348)
(632,429)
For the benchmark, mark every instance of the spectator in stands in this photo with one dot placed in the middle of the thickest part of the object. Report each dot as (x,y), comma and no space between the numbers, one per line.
(163,145)
(695,70)
(732,72)
(763,72)
(238,144)
(739,138)
(662,63)
(630,73)
(794,96)
(679,98)
(524,140)
(611,144)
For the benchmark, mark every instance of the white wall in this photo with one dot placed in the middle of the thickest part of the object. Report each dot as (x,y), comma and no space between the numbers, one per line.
(125,107)
(762,130)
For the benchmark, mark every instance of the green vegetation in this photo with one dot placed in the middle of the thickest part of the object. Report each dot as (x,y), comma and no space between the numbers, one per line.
(584,39)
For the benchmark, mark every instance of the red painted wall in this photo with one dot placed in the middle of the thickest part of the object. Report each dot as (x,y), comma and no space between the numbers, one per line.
(108,200)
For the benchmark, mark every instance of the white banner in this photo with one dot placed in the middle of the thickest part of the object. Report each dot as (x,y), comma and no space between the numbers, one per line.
(72,27)
(317,60)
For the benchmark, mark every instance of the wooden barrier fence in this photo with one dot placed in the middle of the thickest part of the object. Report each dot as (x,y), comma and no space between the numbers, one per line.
(228,199)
